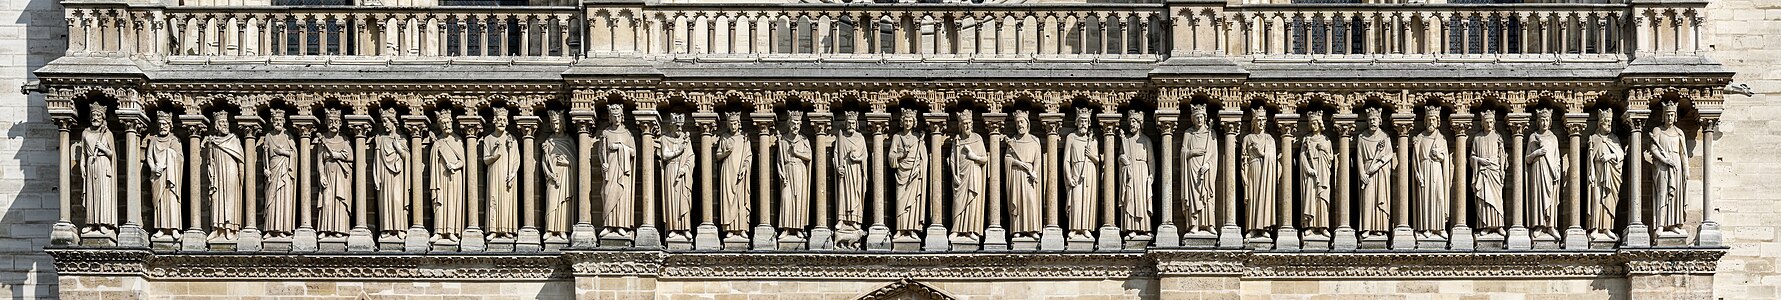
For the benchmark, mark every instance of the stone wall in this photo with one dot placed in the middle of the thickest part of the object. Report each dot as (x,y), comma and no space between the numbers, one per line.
(32,32)
(1746,37)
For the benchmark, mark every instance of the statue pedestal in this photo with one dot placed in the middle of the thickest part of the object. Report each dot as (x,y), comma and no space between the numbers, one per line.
(679,240)
(1138,242)
(1671,239)
(995,239)
(276,244)
(706,238)
(584,236)
(792,242)
(878,238)
(1344,240)
(301,241)
(128,236)
(821,239)
(223,245)
(1403,238)
(615,240)
(1519,239)
(63,234)
(359,240)
(530,240)
(1200,239)
(105,239)
(473,241)
(1286,239)
(445,245)
(192,240)
(647,238)
(1167,236)
(1461,239)
(501,244)
(906,243)
(763,238)
(1546,241)
(935,240)
(391,243)
(1313,241)
(250,240)
(1052,239)
(555,242)
(1108,240)
(1374,240)
(329,244)
(1024,243)
(1576,238)
(736,242)
(1230,237)
(1080,242)
(1603,242)
(1491,241)
(1708,235)
(1430,241)
(416,241)
(1636,236)
(965,244)
(1259,243)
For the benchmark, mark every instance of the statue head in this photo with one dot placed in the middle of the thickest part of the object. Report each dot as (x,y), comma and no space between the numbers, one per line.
(1541,116)
(446,121)
(1258,120)
(1670,113)
(1022,123)
(390,120)
(164,121)
(1372,118)
(965,119)
(908,120)
(851,119)
(1135,121)
(1431,117)
(220,122)
(499,123)
(794,120)
(1604,121)
(734,120)
(617,112)
(1314,121)
(677,120)
(97,116)
(557,123)
(1084,117)
(333,120)
(1198,113)
(276,123)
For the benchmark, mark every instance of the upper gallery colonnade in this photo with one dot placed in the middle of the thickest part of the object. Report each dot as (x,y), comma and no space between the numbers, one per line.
(892,170)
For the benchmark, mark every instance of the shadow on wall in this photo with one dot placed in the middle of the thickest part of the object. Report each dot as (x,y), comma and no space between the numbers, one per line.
(28,178)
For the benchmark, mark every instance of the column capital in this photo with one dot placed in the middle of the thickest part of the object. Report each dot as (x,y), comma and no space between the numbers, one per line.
(1709,125)
(471,124)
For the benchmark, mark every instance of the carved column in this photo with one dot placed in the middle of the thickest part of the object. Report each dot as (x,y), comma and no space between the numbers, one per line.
(585,234)
(821,237)
(1052,238)
(1344,237)
(130,234)
(359,238)
(529,239)
(648,237)
(473,239)
(1519,238)
(1230,235)
(935,239)
(878,125)
(1109,234)
(1574,236)
(707,236)
(417,239)
(304,240)
(193,239)
(1636,235)
(1402,237)
(64,232)
(1460,237)
(249,237)
(995,238)
(1166,233)
(1286,237)
(764,231)
(1708,235)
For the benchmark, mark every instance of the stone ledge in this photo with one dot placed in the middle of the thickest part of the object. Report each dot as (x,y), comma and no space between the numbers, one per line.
(1148,264)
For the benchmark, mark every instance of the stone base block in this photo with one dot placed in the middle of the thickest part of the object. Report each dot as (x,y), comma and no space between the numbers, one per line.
(1286,239)
(615,240)
(1546,241)
(648,237)
(1201,240)
(1344,239)
(995,239)
(1708,235)
(706,238)
(530,240)
(473,241)
(763,238)
(1023,243)
(417,240)
(1403,238)
(1519,239)
(1259,243)
(359,240)
(555,245)
(1461,239)
(965,245)
(1314,242)
(331,244)
(821,239)
(679,241)
(1108,239)
(1137,243)
(1230,237)
(1051,239)
(132,236)
(502,244)
(792,243)
(584,236)
(1375,241)
(736,242)
(391,244)
(1671,239)
(1431,242)
(905,242)
(277,244)
(1167,236)
(304,240)
(1603,242)
(1576,238)
(878,238)
(1077,243)
(935,240)
(1491,242)
(1636,236)
(444,246)
(250,240)
(63,234)
(222,245)
(103,239)
(192,240)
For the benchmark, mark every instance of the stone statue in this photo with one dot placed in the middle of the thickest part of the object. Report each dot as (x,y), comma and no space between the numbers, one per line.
(851,155)
(678,159)
(618,160)
(1434,178)
(500,157)
(794,178)
(737,161)
(98,157)
(970,168)
(559,169)
(1606,158)
(1081,170)
(390,178)
(225,161)
(1315,159)
(1669,156)
(1546,173)
(1026,179)
(447,170)
(911,163)
(1135,178)
(1199,173)
(1260,159)
(166,168)
(281,178)
(1374,152)
(1488,160)
(336,158)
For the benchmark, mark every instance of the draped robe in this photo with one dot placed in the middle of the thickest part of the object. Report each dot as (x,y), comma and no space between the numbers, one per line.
(336,186)
(281,183)
(226,160)
(1376,163)
(911,180)
(1315,157)
(448,184)
(1199,175)
(500,154)
(1081,171)
(851,156)
(98,177)
(559,163)
(1669,162)
(970,163)
(166,168)
(1136,182)
(794,182)
(392,185)
(737,159)
(1025,176)
(1606,159)
(618,160)
(678,159)
(1488,158)
(1434,180)
(1261,176)
(1545,174)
